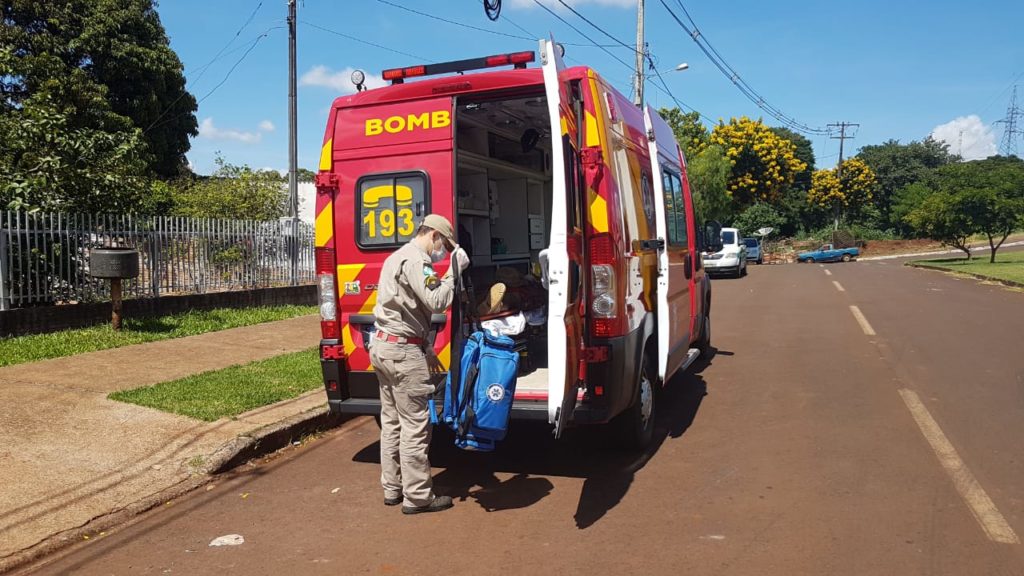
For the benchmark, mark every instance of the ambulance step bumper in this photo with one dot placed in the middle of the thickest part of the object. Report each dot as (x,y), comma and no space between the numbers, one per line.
(521,409)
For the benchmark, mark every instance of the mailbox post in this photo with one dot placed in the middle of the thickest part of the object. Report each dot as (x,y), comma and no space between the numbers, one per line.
(115,264)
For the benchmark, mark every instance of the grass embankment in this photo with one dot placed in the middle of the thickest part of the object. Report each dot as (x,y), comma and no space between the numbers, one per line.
(1008,267)
(138,330)
(232,391)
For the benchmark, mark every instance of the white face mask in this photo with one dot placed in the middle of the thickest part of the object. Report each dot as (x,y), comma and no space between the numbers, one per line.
(438,254)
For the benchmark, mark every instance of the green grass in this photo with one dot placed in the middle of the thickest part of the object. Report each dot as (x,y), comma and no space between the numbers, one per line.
(1009,266)
(138,330)
(232,391)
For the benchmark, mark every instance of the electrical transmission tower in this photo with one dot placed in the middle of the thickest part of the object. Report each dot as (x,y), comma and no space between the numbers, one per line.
(1013,126)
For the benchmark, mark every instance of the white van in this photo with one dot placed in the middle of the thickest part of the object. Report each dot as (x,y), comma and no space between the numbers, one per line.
(732,258)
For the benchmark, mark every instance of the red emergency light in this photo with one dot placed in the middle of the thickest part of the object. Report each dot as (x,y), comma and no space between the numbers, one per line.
(517,59)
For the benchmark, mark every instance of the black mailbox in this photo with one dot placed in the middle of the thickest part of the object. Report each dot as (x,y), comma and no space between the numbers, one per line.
(114,263)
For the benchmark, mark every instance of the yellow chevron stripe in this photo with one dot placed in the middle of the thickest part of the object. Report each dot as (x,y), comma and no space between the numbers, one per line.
(446,355)
(593,138)
(599,214)
(348,273)
(371,301)
(326,158)
(324,229)
(346,339)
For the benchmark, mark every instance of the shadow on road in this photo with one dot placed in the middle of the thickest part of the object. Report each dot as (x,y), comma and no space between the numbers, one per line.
(530,453)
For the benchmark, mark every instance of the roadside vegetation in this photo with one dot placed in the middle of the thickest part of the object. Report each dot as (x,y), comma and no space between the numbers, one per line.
(138,330)
(1008,267)
(231,391)
(752,176)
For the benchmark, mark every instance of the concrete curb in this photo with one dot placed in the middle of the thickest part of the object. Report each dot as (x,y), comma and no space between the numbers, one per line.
(240,450)
(1011,283)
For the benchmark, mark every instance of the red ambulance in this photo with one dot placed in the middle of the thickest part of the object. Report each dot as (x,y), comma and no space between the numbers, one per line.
(532,165)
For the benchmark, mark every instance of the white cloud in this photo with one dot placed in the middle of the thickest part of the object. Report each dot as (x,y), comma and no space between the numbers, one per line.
(967,136)
(208,130)
(339,80)
(267,126)
(575,3)
(281,171)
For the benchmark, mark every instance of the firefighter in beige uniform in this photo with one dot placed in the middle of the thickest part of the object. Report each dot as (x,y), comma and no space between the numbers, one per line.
(408,293)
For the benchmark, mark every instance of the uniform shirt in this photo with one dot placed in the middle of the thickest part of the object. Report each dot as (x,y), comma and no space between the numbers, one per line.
(409,292)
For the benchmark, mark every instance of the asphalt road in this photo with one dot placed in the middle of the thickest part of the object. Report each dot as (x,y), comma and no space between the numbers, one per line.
(805,445)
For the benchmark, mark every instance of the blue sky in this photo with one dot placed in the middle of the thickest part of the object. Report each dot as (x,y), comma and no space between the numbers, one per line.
(900,69)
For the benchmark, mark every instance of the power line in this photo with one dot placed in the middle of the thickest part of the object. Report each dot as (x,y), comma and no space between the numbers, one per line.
(361,41)
(580,32)
(454,23)
(735,78)
(595,26)
(248,50)
(202,70)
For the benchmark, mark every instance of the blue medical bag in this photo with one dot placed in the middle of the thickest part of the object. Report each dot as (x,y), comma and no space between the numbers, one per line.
(478,407)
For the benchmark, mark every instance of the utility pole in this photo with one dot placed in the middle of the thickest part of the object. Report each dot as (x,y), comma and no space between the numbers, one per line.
(293,150)
(641,52)
(842,126)
(1011,128)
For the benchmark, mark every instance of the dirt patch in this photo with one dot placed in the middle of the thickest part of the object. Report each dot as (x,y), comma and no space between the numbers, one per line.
(891,247)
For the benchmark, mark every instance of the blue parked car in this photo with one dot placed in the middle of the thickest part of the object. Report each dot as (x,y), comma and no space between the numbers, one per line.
(829,254)
(753,250)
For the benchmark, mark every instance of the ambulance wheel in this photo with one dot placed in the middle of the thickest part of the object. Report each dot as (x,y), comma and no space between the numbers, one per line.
(635,426)
(704,342)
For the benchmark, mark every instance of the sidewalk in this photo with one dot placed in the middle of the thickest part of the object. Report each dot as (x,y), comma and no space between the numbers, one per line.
(69,456)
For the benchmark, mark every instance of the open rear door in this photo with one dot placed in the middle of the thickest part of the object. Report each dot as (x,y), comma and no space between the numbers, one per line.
(673,299)
(564,327)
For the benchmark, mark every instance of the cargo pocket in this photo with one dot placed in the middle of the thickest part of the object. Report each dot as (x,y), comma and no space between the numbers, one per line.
(414,376)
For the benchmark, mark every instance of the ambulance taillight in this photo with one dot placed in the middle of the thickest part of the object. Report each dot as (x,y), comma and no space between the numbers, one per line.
(327,293)
(604,288)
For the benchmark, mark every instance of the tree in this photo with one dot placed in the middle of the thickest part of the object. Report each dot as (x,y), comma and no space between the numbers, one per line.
(49,163)
(690,132)
(898,165)
(983,196)
(948,218)
(130,55)
(101,70)
(804,152)
(845,189)
(759,215)
(763,164)
(708,173)
(236,192)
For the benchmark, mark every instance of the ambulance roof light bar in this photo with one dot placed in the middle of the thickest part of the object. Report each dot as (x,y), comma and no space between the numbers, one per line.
(517,59)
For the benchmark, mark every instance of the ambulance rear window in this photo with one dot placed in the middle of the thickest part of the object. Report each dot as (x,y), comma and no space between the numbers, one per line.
(389,208)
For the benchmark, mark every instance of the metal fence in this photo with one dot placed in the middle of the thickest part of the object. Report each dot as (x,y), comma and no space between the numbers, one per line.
(44,258)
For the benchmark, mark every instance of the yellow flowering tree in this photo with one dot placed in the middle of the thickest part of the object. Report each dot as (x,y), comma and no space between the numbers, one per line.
(845,188)
(764,164)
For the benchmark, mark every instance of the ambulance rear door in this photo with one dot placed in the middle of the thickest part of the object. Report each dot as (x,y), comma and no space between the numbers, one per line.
(565,327)
(674,282)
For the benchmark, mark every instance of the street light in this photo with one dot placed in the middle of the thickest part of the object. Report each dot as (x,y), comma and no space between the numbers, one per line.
(679,68)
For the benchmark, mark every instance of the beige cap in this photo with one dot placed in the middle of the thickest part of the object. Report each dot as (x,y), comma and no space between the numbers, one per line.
(442,225)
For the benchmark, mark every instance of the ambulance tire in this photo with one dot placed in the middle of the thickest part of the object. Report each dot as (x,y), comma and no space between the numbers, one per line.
(703,343)
(635,426)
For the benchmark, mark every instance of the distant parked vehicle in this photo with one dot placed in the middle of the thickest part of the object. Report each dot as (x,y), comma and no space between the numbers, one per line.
(753,250)
(731,259)
(829,254)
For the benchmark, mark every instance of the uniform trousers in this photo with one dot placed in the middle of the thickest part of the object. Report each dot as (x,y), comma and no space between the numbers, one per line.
(405,428)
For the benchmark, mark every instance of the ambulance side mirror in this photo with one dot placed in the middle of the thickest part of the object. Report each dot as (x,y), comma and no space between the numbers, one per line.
(712,236)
